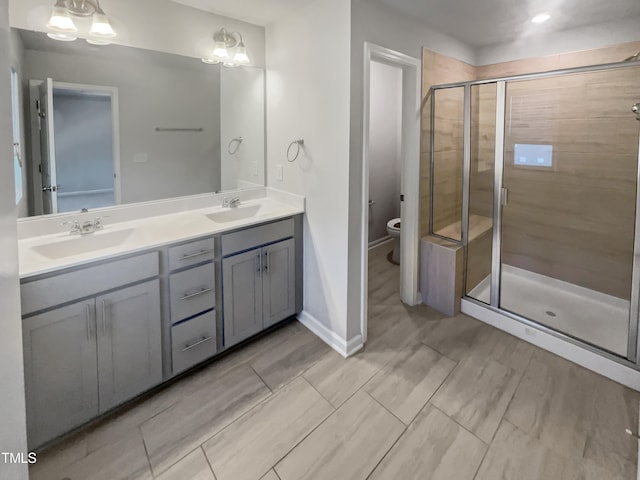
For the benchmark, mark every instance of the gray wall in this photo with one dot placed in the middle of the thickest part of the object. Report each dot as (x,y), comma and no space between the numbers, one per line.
(382,25)
(13,437)
(385,145)
(155,90)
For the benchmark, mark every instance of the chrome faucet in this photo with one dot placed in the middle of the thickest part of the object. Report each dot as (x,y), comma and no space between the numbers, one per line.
(232,202)
(86,227)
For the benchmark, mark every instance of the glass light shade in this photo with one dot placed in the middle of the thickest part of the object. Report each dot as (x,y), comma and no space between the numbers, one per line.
(220,51)
(230,63)
(60,21)
(101,26)
(241,57)
(62,37)
(210,60)
(98,41)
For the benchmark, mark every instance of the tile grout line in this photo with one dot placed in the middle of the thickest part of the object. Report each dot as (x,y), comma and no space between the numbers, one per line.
(385,408)
(206,457)
(503,419)
(146,451)
(457,423)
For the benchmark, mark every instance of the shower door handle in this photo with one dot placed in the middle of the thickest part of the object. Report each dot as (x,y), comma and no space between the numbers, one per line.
(372,203)
(503,196)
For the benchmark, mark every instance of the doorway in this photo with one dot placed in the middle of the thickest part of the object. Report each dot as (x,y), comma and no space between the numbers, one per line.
(76,148)
(401,141)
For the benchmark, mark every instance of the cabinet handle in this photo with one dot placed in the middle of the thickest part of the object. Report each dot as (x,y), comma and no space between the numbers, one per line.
(259,264)
(87,315)
(199,342)
(266,261)
(104,318)
(193,255)
(199,292)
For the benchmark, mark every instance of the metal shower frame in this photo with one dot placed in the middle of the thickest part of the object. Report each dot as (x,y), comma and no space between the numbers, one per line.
(633,357)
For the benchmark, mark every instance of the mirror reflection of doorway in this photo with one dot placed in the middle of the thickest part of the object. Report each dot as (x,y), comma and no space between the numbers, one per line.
(79,153)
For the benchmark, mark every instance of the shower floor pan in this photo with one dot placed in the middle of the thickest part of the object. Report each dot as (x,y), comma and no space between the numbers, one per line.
(593,317)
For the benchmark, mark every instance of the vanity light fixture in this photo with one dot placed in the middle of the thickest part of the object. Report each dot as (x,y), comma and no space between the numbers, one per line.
(224,41)
(541,18)
(62,27)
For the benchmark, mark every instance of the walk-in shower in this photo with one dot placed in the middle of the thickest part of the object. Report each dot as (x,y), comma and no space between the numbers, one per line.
(537,176)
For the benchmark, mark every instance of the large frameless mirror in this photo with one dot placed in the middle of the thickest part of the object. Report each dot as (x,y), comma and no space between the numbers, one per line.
(112,125)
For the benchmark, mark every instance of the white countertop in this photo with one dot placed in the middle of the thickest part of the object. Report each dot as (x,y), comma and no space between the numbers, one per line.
(140,234)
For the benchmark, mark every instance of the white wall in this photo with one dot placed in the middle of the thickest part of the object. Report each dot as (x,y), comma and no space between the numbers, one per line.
(153,24)
(385,147)
(308,93)
(13,437)
(585,38)
(242,103)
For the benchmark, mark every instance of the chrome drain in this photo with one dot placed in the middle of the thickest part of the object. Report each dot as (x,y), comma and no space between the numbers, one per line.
(550,313)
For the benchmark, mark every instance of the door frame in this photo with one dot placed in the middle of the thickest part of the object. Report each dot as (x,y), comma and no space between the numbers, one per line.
(410,175)
(112,92)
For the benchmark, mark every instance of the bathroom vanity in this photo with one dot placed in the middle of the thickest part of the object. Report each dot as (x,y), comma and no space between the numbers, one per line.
(111,314)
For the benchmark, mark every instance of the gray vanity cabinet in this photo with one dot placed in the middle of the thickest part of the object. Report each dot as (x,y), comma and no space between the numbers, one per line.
(258,290)
(61,370)
(278,290)
(84,357)
(129,342)
(242,296)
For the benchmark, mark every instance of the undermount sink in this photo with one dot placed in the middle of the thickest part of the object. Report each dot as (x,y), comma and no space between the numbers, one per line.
(234,214)
(76,245)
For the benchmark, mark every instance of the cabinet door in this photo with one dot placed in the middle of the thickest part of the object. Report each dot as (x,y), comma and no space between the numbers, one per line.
(61,374)
(129,343)
(279,297)
(242,296)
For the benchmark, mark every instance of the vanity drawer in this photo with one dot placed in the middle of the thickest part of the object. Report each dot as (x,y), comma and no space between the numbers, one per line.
(56,290)
(193,341)
(192,291)
(257,236)
(191,253)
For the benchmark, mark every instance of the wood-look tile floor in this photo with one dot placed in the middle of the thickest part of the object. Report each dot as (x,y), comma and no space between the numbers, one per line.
(428,398)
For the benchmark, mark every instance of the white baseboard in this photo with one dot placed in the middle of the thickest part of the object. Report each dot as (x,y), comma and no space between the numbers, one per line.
(380,241)
(344,348)
(604,366)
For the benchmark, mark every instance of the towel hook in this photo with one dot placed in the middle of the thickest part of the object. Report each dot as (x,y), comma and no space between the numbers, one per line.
(299,143)
(237,141)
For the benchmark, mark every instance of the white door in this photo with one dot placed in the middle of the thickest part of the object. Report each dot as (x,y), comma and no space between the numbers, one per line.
(48,149)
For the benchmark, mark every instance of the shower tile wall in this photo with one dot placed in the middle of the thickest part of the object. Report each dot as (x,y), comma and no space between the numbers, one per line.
(439,69)
(572,238)
(574,221)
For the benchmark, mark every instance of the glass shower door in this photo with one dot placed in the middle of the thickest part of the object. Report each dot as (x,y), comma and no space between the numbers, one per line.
(569,203)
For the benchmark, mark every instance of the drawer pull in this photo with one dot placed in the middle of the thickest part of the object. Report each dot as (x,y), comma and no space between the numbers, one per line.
(197,254)
(199,292)
(199,342)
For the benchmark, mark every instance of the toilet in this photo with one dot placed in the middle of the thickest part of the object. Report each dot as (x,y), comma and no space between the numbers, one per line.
(393,229)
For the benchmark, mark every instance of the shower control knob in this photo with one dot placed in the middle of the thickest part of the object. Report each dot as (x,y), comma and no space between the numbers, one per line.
(636,108)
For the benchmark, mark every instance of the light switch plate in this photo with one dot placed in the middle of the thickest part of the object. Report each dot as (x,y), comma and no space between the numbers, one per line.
(279,172)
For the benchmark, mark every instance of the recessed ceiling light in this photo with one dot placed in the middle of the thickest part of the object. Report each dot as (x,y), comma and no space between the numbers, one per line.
(541,18)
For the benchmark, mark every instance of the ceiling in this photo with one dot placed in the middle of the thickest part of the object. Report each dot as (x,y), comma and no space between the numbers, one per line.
(484,22)
(258,12)
(474,22)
